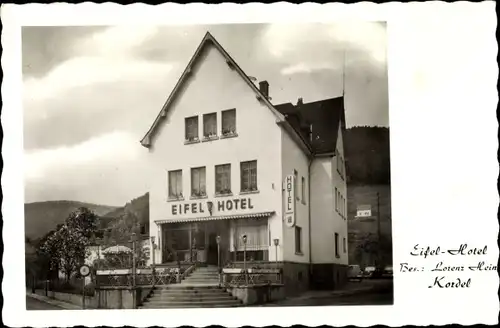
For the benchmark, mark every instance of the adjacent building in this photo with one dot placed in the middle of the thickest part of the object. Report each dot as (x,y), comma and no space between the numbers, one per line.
(228,163)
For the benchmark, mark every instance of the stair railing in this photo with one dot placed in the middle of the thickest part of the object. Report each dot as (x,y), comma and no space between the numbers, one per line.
(193,259)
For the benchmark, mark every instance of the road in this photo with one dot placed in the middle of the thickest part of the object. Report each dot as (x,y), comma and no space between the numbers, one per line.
(385,297)
(34,304)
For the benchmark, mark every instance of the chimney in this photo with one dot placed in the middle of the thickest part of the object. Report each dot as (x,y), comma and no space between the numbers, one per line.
(300,102)
(264,88)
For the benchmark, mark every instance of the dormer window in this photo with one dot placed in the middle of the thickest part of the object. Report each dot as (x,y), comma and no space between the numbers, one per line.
(192,129)
(210,126)
(229,123)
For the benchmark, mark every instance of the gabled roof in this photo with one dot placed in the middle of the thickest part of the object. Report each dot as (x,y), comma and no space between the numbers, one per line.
(317,122)
(208,38)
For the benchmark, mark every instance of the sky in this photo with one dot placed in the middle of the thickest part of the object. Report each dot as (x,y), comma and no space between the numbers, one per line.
(91,93)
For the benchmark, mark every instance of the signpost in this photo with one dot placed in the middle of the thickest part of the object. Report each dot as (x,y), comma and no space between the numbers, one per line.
(84,272)
(290,201)
(364,211)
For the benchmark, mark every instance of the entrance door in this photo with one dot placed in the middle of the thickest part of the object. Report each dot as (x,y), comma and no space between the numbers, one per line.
(212,249)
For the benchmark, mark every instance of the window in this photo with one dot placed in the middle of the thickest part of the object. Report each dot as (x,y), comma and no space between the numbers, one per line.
(337,245)
(298,240)
(198,182)
(249,176)
(341,206)
(229,122)
(344,245)
(303,190)
(338,197)
(175,184)
(336,200)
(340,163)
(345,206)
(295,183)
(192,128)
(210,125)
(223,179)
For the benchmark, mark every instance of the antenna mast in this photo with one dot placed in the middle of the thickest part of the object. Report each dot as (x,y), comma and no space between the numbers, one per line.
(343,74)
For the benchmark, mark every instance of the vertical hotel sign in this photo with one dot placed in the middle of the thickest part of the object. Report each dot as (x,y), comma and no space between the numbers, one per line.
(290,201)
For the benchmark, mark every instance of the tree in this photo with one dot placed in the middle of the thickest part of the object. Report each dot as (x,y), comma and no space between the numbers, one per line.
(66,248)
(370,246)
(120,233)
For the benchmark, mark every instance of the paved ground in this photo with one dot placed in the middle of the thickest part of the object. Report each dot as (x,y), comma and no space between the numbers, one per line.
(367,292)
(35,304)
(40,302)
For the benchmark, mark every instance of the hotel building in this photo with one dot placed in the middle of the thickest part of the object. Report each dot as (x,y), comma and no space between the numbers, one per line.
(227,163)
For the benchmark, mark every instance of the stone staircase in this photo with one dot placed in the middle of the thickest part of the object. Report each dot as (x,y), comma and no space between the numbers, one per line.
(199,290)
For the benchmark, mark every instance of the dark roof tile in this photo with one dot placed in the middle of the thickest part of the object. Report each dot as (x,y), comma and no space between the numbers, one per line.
(323,117)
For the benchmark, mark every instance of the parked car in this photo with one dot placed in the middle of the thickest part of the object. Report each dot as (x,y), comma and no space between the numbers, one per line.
(368,272)
(387,272)
(355,272)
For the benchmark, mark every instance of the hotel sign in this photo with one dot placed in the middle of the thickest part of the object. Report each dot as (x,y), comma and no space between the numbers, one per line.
(209,207)
(290,201)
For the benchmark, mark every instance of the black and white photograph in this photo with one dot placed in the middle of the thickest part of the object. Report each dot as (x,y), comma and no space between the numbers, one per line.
(249,165)
(207,166)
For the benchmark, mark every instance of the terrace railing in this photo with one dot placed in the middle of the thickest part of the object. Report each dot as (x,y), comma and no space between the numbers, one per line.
(236,277)
(143,277)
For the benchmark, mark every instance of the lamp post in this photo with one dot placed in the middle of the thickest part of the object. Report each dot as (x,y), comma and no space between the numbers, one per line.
(195,252)
(217,239)
(153,248)
(134,238)
(276,244)
(244,238)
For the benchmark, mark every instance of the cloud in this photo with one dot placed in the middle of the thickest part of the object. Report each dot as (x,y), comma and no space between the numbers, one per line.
(326,43)
(306,68)
(91,171)
(101,89)
(115,146)
(86,71)
(116,41)
(84,117)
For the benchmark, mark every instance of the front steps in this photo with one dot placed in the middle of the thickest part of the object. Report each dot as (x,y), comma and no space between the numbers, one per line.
(199,290)
(203,276)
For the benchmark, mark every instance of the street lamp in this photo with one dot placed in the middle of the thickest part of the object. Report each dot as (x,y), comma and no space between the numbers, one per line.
(217,239)
(134,238)
(244,238)
(276,244)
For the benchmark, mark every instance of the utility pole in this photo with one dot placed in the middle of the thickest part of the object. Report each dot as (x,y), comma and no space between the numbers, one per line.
(378,230)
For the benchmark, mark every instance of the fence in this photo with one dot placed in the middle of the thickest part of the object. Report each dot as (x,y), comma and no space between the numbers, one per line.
(142,277)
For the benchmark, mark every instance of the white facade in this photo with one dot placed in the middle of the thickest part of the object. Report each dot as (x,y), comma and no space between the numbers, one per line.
(326,210)
(215,85)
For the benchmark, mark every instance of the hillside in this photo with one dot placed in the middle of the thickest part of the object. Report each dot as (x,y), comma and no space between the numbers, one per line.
(139,207)
(359,228)
(367,155)
(41,217)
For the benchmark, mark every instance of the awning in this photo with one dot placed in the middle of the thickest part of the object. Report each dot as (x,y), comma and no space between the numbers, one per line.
(213,218)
